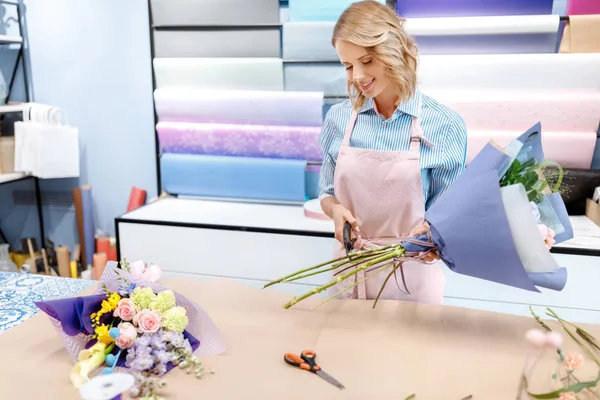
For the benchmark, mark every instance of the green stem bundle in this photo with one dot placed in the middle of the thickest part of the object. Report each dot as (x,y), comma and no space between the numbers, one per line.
(360,261)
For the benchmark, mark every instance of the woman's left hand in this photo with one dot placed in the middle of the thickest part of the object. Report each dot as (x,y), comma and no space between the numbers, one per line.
(422,229)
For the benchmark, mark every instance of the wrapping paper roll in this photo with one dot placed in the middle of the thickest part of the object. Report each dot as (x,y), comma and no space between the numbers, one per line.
(569,149)
(514,71)
(316,77)
(268,141)
(219,73)
(463,8)
(214,12)
(468,72)
(583,7)
(557,110)
(461,35)
(318,10)
(253,178)
(240,106)
(263,42)
(100,260)
(312,209)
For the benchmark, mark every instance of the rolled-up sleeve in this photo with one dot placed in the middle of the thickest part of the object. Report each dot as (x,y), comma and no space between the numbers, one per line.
(329,140)
(454,158)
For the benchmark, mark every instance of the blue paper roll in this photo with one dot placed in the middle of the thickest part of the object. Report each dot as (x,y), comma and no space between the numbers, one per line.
(234,177)
(318,10)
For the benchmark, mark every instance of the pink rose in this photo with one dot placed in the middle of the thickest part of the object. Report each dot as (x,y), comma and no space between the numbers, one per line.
(127,335)
(125,310)
(147,321)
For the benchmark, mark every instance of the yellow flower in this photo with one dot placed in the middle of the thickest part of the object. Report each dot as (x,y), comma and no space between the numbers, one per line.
(89,359)
(113,300)
(103,333)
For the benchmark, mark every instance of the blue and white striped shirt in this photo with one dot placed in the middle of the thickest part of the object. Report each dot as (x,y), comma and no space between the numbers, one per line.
(440,165)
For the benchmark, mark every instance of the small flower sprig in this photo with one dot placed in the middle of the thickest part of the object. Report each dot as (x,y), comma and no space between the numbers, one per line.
(566,365)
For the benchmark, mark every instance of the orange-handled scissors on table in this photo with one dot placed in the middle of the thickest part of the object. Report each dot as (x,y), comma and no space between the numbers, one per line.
(307,362)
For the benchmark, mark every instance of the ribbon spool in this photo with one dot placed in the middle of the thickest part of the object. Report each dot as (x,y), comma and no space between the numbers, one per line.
(312,209)
(106,387)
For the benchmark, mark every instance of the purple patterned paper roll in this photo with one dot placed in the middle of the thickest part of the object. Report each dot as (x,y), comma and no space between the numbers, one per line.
(267,141)
(471,8)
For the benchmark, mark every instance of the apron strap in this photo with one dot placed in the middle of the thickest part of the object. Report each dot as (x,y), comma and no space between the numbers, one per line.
(417,132)
(349,128)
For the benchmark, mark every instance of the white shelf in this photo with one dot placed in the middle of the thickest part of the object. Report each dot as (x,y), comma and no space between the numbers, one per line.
(11,108)
(10,39)
(13,176)
(234,214)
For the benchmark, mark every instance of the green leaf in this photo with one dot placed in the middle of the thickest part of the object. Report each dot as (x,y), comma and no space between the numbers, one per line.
(554,376)
(528,164)
(575,388)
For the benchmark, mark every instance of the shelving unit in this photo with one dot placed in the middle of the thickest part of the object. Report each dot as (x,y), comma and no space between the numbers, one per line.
(8,178)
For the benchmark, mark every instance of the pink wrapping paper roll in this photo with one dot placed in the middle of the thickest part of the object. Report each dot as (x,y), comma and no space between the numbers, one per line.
(570,150)
(560,110)
(581,7)
(290,142)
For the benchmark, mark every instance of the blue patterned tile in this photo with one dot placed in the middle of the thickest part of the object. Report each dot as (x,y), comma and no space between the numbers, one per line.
(19,292)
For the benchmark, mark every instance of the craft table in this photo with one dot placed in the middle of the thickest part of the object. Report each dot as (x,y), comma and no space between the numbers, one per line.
(399,348)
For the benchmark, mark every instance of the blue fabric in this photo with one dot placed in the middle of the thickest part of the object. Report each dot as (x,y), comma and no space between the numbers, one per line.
(19,292)
(234,177)
(440,165)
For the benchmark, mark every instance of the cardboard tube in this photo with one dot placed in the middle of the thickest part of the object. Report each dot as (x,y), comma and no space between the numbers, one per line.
(63,259)
(100,260)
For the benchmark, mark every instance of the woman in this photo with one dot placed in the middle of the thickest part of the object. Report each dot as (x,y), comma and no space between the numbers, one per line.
(389,151)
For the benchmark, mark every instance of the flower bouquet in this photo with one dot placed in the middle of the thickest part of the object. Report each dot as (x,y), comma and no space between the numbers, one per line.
(496,222)
(132,323)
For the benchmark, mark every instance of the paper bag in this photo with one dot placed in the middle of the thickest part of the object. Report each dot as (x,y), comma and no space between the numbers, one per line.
(46,150)
(581,35)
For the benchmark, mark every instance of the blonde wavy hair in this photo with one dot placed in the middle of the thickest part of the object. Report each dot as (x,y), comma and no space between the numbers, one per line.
(378,29)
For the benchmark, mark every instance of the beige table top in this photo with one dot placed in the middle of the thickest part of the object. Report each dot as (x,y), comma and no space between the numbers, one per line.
(437,352)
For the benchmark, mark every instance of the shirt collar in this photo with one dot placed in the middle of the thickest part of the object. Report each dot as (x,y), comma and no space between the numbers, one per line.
(410,107)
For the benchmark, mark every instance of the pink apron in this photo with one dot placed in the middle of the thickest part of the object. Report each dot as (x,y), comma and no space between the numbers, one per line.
(387,202)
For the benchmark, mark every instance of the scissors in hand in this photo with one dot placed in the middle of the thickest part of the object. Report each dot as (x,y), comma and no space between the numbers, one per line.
(349,239)
(306,361)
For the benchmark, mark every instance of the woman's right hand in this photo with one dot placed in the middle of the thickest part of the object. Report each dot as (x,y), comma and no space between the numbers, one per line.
(340,216)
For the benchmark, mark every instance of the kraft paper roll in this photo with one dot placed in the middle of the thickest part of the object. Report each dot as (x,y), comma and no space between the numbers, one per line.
(268,141)
(263,42)
(234,177)
(459,8)
(63,259)
(219,73)
(259,107)
(100,260)
(557,110)
(460,35)
(510,71)
(581,34)
(569,149)
(318,10)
